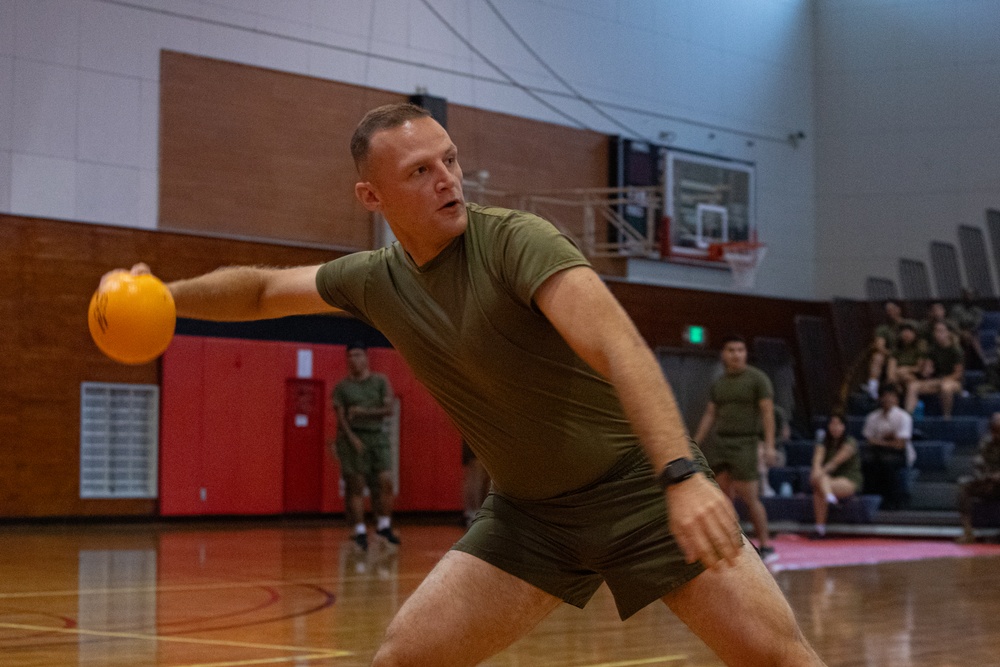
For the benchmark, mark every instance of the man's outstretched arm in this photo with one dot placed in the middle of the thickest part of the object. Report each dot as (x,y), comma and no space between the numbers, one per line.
(242,293)
(591,320)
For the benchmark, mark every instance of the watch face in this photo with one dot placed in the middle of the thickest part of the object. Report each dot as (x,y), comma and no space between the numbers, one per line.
(677,471)
(682,467)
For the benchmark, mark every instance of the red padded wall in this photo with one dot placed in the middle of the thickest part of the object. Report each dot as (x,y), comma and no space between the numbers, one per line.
(180,431)
(222,429)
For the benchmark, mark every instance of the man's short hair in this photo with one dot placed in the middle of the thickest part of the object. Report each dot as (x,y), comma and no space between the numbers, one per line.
(908,325)
(357,345)
(889,388)
(381,118)
(732,338)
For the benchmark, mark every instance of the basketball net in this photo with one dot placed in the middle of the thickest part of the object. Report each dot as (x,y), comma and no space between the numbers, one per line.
(743,258)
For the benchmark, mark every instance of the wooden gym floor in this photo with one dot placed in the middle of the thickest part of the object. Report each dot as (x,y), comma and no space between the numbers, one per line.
(298,593)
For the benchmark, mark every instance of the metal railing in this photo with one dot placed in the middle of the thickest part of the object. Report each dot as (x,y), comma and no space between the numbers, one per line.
(599,220)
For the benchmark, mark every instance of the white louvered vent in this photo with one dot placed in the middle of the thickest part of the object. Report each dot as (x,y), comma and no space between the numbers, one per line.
(119,440)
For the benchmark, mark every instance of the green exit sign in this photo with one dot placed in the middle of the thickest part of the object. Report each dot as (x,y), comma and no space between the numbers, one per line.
(695,335)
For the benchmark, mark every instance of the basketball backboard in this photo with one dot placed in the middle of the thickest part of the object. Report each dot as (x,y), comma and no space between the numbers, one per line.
(709,201)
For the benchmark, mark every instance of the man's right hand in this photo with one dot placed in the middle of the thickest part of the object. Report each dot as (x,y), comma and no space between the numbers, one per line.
(704,522)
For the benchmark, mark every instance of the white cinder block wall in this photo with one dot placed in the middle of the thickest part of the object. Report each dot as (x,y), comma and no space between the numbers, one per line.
(907,132)
(79,88)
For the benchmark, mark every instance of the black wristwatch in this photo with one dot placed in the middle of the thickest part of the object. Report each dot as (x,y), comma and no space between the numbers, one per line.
(676,472)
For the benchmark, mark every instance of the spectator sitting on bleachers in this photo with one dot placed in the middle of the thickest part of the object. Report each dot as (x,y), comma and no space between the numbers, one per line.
(888,431)
(904,362)
(935,313)
(836,471)
(940,371)
(968,317)
(883,342)
(984,483)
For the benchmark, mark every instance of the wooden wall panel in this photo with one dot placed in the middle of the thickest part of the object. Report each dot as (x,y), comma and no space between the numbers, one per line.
(661,313)
(256,153)
(251,152)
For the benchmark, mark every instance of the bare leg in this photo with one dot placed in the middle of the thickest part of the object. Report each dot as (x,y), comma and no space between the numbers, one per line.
(354,488)
(821,507)
(838,487)
(965,502)
(948,390)
(749,493)
(912,394)
(841,487)
(725,482)
(740,613)
(385,497)
(464,611)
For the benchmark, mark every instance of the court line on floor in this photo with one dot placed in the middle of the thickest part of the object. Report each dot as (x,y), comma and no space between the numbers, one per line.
(639,661)
(183,588)
(314,652)
(265,661)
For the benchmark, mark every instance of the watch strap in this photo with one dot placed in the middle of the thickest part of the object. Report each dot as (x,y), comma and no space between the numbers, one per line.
(676,471)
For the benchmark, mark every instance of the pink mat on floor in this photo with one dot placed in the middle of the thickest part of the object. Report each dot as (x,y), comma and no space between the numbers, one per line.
(796,552)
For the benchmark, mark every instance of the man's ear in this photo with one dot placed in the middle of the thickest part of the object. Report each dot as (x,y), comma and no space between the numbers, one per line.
(367,196)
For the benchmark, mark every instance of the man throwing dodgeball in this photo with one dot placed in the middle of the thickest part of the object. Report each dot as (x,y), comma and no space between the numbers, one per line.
(594,478)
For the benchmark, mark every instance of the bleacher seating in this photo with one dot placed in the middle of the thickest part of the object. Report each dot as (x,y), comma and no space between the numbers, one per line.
(988,342)
(972,379)
(933,454)
(798,452)
(991,320)
(986,515)
(965,406)
(963,430)
(944,447)
(796,477)
(798,508)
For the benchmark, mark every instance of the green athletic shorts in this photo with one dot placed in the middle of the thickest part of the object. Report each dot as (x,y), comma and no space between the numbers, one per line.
(372,460)
(737,455)
(614,530)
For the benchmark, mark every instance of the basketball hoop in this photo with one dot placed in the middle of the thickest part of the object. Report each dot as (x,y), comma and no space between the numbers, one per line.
(743,258)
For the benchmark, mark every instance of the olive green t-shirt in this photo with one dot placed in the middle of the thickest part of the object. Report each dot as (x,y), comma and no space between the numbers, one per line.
(372,392)
(890,332)
(851,468)
(540,419)
(945,359)
(909,355)
(737,401)
(926,330)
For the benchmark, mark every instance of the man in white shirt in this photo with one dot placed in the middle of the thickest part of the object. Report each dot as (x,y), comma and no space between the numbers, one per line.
(888,432)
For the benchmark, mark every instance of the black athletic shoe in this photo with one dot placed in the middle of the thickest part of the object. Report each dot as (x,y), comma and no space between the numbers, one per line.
(816,535)
(389,536)
(361,539)
(767,554)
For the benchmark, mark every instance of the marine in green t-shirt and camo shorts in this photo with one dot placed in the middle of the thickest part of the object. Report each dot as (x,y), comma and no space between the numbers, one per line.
(581,465)
(741,409)
(529,353)
(362,401)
